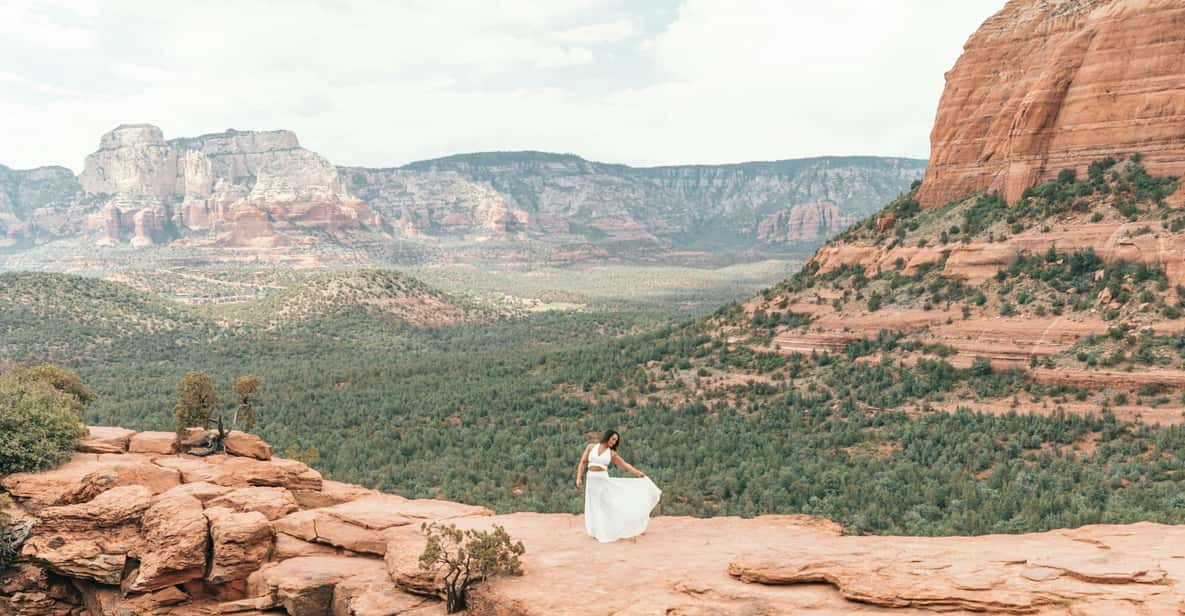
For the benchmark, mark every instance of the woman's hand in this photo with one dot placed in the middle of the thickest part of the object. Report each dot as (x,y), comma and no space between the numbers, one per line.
(579,483)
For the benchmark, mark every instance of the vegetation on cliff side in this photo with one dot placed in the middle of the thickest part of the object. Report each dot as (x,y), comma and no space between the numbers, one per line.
(40,412)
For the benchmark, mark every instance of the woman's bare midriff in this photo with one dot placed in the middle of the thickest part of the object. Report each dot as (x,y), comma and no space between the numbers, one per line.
(595,469)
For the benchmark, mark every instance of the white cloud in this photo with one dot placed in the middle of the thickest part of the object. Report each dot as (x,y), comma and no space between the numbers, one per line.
(386,83)
(599,34)
(32,24)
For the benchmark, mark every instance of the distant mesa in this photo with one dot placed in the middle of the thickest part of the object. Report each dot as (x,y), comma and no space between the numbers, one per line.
(1049,85)
(242,188)
(261,189)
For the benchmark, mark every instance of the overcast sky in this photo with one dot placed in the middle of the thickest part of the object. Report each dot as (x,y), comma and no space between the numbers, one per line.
(640,82)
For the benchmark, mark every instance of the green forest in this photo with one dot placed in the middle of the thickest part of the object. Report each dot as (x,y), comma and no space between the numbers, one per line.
(497,414)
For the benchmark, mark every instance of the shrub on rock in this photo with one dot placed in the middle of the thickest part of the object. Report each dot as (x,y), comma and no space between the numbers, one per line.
(465,558)
(40,417)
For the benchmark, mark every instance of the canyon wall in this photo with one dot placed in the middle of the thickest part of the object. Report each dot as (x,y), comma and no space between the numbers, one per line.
(41,202)
(1046,85)
(539,195)
(259,189)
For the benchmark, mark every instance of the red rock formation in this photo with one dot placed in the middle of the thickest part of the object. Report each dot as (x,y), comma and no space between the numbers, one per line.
(250,189)
(213,545)
(1048,85)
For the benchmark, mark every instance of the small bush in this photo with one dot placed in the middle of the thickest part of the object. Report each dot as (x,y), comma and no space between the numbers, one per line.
(40,417)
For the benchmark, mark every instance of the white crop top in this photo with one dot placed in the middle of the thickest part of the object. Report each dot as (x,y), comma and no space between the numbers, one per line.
(602,459)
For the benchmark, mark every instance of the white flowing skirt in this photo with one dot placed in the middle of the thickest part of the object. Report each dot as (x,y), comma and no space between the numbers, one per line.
(617,507)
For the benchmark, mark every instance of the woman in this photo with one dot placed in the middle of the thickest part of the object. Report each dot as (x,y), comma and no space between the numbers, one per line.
(614,508)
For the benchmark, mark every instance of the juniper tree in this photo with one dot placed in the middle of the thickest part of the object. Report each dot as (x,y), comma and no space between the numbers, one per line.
(468,557)
(196,400)
(246,387)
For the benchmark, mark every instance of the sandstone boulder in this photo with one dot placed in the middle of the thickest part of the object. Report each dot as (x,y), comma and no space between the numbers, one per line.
(109,601)
(175,543)
(273,503)
(99,556)
(305,586)
(249,445)
(404,546)
(331,493)
(241,543)
(115,507)
(288,546)
(201,490)
(375,595)
(302,524)
(29,590)
(152,443)
(104,439)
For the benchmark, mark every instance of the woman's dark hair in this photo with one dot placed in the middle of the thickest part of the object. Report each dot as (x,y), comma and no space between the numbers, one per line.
(608,435)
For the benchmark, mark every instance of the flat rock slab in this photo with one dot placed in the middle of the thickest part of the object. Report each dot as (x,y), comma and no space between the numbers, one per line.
(793,565)
(998,574)
(152,442)
(239,472)
(361,525)
(105,439)
(273,503)
(115,507)
(331,493)
(87,475)
(678,567)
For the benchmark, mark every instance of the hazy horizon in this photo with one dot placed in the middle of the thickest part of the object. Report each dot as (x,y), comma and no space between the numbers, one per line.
(661,83)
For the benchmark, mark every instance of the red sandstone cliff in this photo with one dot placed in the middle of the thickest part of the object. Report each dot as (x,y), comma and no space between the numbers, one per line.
(1051,84)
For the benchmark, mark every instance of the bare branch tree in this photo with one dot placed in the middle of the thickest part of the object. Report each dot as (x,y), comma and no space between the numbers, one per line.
(467,558)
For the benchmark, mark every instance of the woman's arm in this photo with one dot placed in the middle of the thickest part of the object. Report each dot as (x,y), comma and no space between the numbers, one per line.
(623,464)
(580,467)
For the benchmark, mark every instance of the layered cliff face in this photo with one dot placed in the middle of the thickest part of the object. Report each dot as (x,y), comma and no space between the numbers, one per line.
(262,189)
(561,197)
(46,201)
(804,222)
(243,188)
(1047,240)
(1046,85)
(129,527)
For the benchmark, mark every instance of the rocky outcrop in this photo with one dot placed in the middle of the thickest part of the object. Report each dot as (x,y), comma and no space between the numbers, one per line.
(200,548)
(244,188)
(39,204)
(520,195)
(1049,85)
(364,525)
(175,539)
(804,222)
(997,574)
